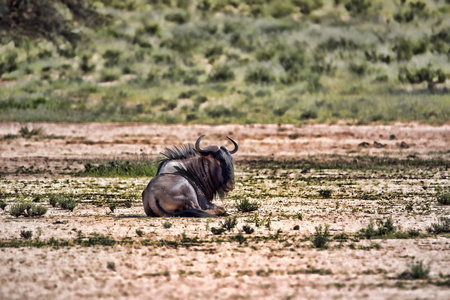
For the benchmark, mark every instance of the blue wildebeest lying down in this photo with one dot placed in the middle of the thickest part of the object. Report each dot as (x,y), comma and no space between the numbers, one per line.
(188,179)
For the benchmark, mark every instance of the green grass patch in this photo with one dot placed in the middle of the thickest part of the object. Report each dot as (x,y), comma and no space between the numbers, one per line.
(117,168)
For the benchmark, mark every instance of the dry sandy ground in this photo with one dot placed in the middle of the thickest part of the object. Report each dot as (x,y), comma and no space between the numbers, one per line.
(265,267)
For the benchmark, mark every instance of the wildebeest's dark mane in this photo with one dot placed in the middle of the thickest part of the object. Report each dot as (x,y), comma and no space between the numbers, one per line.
(178,153)
(199,176)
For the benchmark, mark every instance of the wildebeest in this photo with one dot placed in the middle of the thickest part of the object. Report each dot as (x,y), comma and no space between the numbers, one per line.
(188,179)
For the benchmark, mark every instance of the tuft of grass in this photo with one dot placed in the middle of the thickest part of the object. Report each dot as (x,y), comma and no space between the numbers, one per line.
(139,232)
(384,229)
(321,237)
(117,168)
(167,224)
(248,229)
(245,205)
(112,206)
(68,204)
(2,204)
(226,225)
(25,132)
(26,234)
(27,209)
(416,271)
(111,265)
(444,199)
(325,193)
(442,226)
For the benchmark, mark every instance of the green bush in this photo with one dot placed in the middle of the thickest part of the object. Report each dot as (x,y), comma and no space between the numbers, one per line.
(245,205)
(358,7)
(259,75)
(112,57)
(68,204)
(26,234)
(444,199)
(221,74)
(321,237)
(177,17)
(27,209)
(307,6)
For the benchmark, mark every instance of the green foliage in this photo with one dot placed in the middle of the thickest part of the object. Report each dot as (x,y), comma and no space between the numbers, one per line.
(67,203)
(416,271)
(221,74)
(248,229)
(358,7)
(112,206)
(155,49)
(444,199)
(321,237)
(261,75)
(442,226)
(407,48)
(2,205)
(385,229)
(245,205)
(167,224)
(118,168)
(427,74)
(325,193)
(226,225)
(25,132)
(111,265)
(26,234)
(27,209)
(139,232)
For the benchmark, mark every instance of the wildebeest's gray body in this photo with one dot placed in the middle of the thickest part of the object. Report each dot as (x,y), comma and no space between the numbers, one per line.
(188,180)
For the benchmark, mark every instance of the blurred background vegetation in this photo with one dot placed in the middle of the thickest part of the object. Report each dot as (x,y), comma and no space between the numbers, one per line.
(225,61)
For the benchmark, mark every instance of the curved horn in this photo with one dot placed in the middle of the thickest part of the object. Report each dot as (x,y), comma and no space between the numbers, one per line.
(207,150)
(236,147)
(197,144)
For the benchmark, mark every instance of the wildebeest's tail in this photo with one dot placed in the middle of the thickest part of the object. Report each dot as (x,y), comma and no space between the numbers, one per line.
(187,213)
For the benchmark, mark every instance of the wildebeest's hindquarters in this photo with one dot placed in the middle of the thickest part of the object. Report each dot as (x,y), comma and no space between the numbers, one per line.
(172,195)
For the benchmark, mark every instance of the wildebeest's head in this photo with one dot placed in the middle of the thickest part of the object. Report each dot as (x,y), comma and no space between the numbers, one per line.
(223,161)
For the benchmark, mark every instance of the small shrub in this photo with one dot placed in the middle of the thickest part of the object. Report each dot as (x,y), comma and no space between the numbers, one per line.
(443,226)
(419,271)
(326,193)
(444,199)
(25,132)
(26,234)
(358,7)
(416,271)
(229,223)
(240,238)
(108,75)
(167,224)
(27,209)
(218,231)
(68,204)
(2,205)
(176,17)
(112,57)
(139,232)
(321,237)
(260,75)
(248,229)
(245,205)
(111,265)
(128,203)
(112,206)
(221,74)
